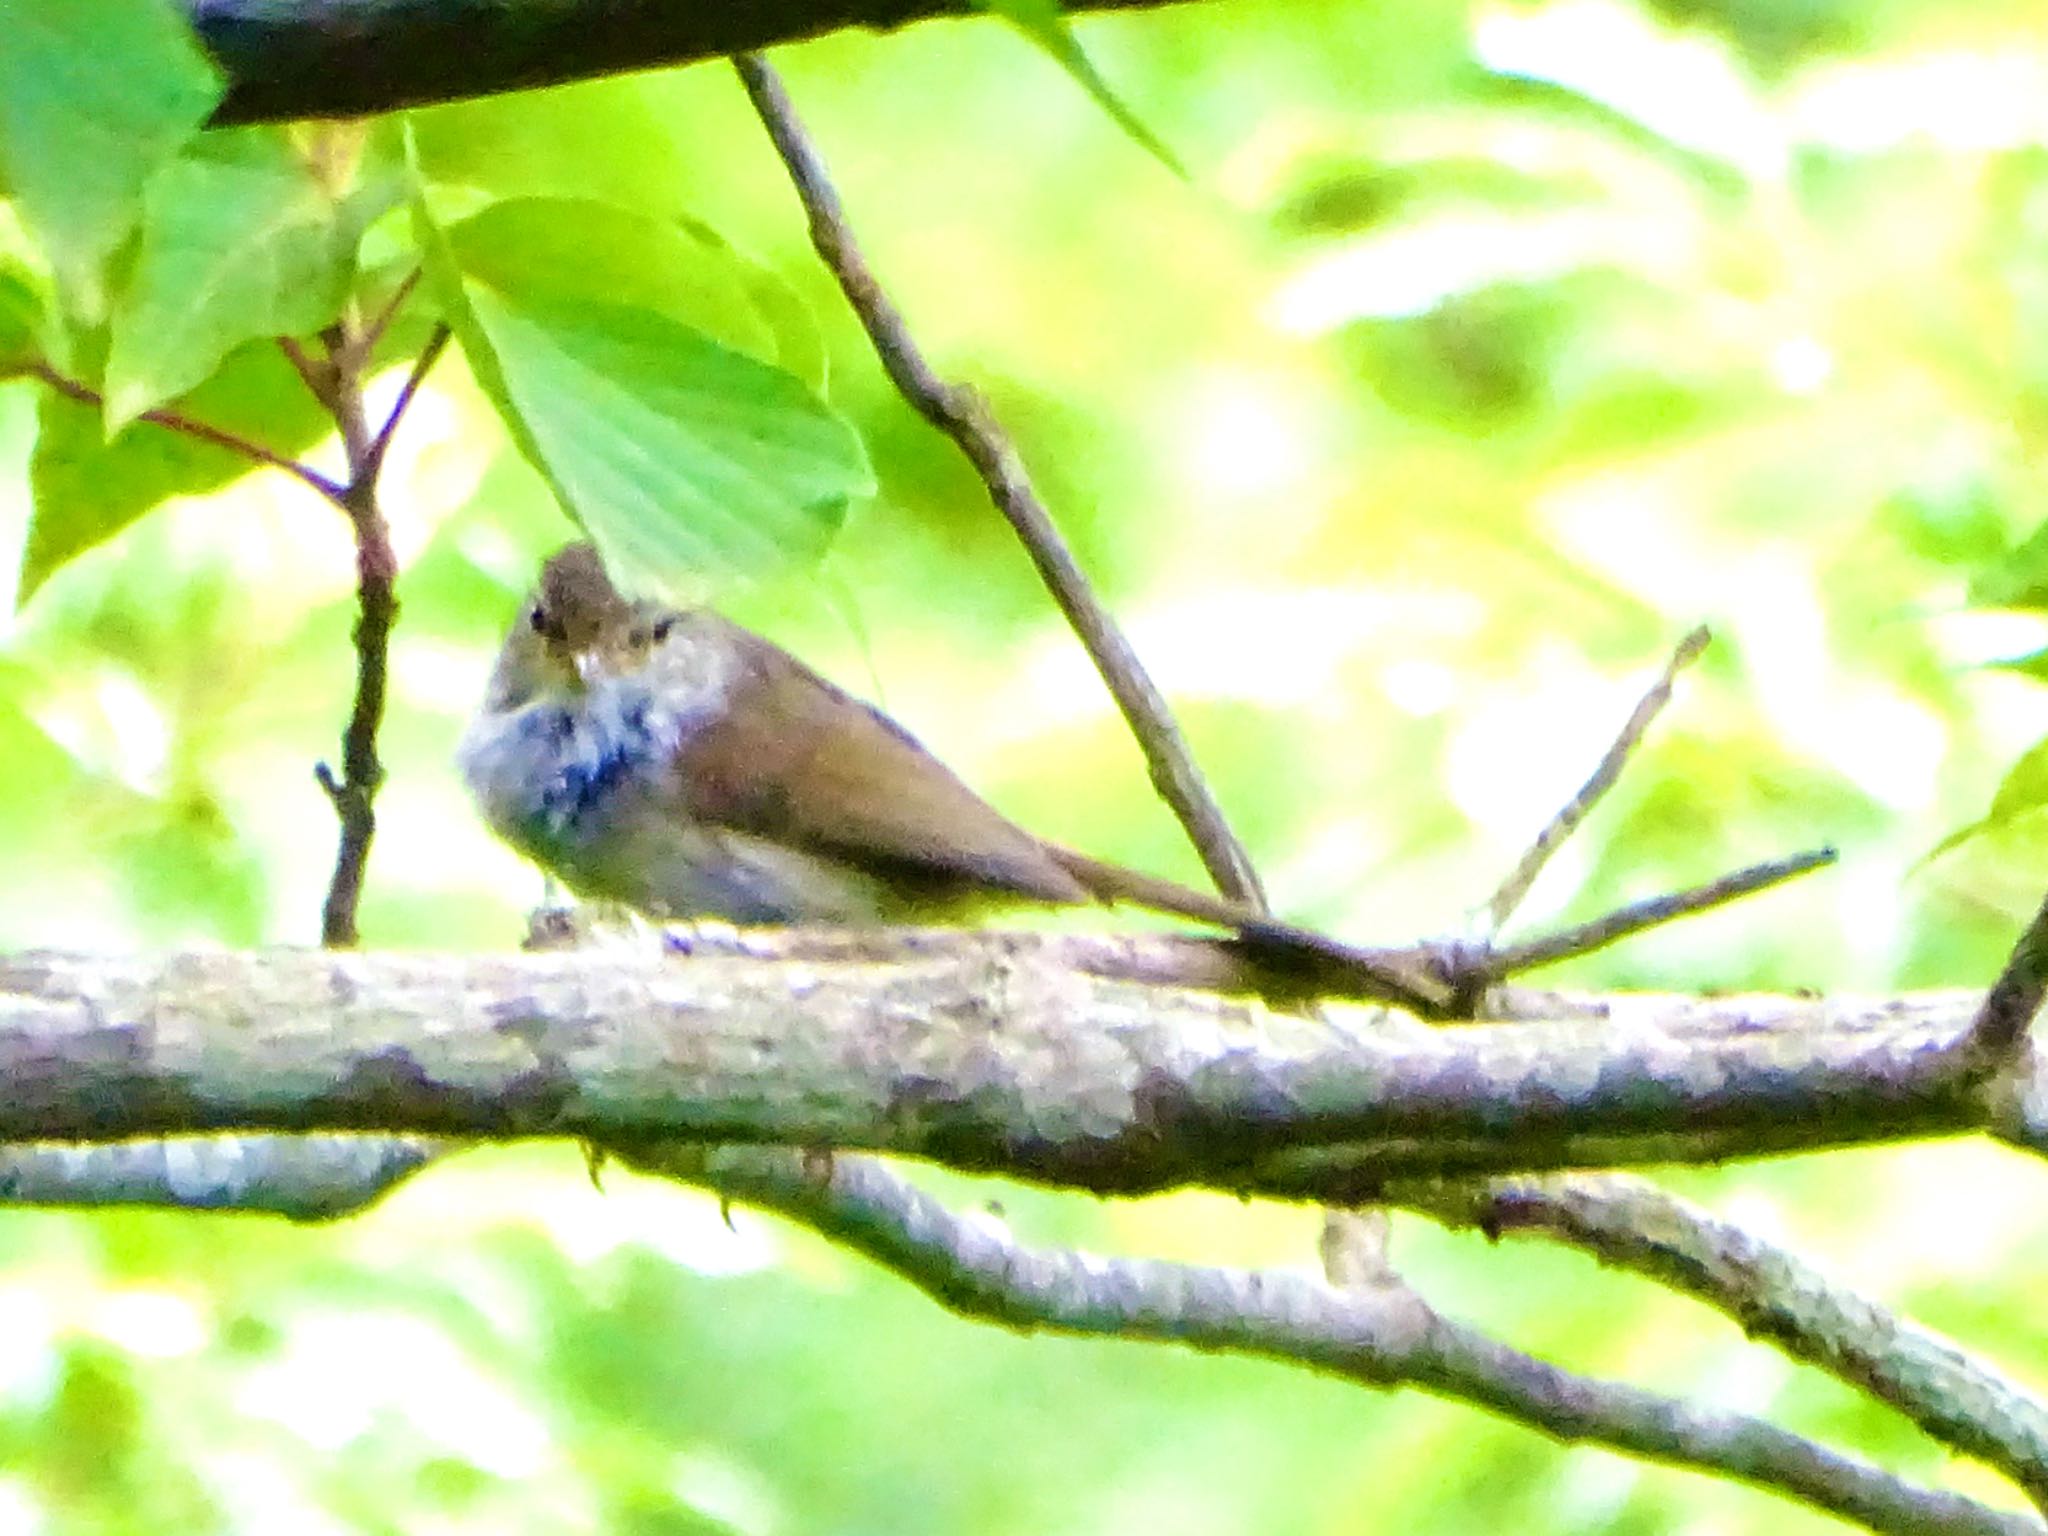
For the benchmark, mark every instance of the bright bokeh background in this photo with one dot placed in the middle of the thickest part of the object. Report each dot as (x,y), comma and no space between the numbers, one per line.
(1483,351)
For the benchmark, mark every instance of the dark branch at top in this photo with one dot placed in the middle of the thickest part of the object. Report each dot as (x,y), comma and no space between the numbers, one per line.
(346,58)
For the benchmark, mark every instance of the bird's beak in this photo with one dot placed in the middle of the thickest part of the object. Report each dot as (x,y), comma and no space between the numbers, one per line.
(589,666)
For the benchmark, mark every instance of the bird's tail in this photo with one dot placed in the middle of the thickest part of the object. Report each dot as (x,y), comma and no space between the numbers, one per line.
(1313,960)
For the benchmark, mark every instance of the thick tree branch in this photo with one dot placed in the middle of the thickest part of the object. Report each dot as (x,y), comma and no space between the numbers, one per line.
(990,1052)
(346,58)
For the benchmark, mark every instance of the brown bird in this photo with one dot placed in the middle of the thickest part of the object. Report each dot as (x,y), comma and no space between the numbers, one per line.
(673,761)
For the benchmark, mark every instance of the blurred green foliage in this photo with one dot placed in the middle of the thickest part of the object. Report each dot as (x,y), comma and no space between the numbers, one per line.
(1483,350)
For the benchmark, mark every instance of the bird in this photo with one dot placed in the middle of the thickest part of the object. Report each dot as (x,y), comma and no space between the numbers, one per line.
(672,761)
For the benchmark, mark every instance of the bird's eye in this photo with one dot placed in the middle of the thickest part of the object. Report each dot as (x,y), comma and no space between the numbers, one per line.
(661,628)
(543,624)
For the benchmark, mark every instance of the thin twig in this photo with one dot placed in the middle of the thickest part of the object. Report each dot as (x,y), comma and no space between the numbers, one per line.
(316,374)
(381,321)
(1773,1294)
(1501,906)
(2009,1007)
(177,421)
(354,791)
(960,414)
(421,366)
(1622,922)
(1378,1335)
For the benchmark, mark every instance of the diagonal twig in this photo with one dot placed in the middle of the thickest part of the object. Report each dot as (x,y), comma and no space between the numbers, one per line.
(380,322)
(177,421)
(2015,997)
(1377,1335)
(1773,1294)
(960,414)
(316,373)
(421,367)
(1502,904)
(1624,922)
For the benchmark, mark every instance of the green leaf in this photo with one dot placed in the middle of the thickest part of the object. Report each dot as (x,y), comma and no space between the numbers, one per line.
(600,141)
(1045,23)
(95,95)
(2017,579)
(798,344)
(239,243)
(88,488)
(573,250)
(21,317)
(674,451)
(2022,792)
(189,871)
(1961,520)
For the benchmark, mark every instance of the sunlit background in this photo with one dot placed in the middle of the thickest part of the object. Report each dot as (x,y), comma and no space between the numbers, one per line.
(1481,353)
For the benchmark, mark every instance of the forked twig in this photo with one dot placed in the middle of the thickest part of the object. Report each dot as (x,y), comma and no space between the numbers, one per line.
(1473,966)
(353,792)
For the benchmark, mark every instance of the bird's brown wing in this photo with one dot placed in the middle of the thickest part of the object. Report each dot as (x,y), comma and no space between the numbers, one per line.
(798,761)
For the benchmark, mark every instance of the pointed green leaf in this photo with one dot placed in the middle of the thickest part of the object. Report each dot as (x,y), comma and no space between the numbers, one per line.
(238,243)
(571,250)
(2022,792)
(95,95)
(796,342)
(674,451)
(1045,23)
(677,451)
